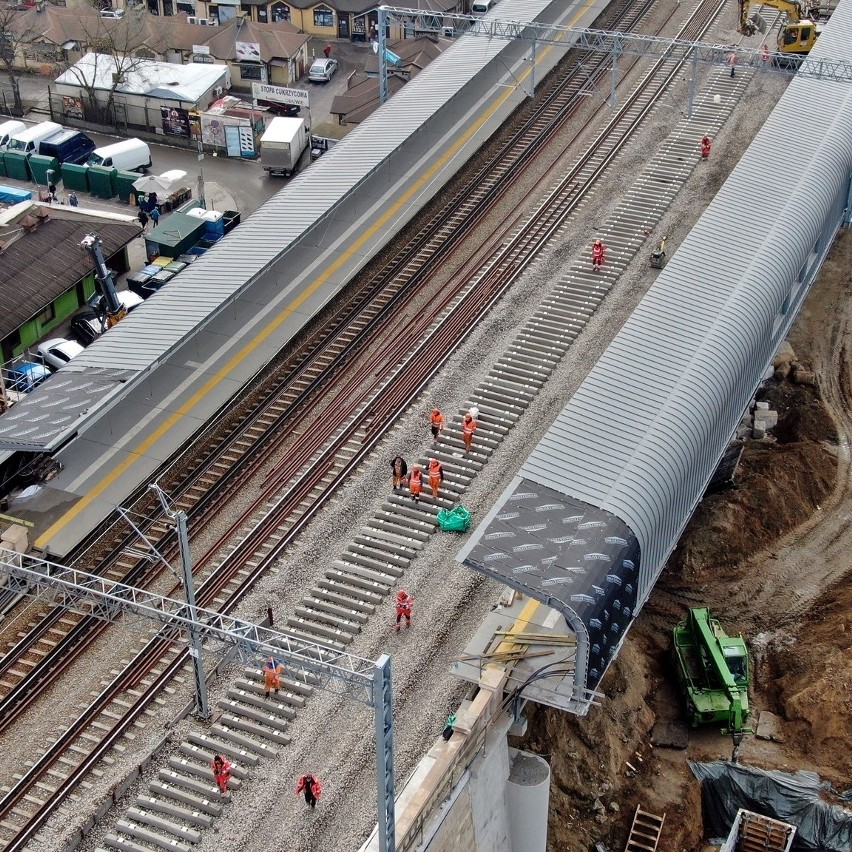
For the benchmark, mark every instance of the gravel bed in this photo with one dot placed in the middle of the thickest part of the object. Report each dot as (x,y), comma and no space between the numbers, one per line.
(333,736)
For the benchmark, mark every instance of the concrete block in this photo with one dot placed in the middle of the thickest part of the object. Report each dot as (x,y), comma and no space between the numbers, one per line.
(761,406)
(15,538)
(155,804)
(226,734)
(203,801)
(217,746)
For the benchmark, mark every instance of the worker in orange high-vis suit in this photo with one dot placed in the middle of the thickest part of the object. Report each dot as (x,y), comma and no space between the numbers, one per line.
(436,476)
(272,671)
(436,423)
(468,428)
(404,602)
(598,249)
(221,772)
(312,788)
(706,145)
(415,482)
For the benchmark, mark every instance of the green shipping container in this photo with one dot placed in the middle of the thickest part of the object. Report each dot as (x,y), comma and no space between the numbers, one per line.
(2,165)
(40,166)
(75,177)
(17,166)
(124,185)
(102,182)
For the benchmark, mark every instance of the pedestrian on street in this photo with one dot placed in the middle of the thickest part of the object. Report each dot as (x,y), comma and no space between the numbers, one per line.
(327,51)
(436,423)
(72,199)
(143,220)
(311,787)
(222,773)
(448,727)
(436,476)
(732,61)
(155,216)
(51,191)
(598,250)
(706,145)
(272,671)
(404,602)
(468,428)
(415,482)
(399,470)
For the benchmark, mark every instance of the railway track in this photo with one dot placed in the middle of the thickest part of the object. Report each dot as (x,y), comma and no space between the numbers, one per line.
(283,399)
(342,600)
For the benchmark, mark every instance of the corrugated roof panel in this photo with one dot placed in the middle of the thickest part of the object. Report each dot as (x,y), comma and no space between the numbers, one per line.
(643,434)
(260,243)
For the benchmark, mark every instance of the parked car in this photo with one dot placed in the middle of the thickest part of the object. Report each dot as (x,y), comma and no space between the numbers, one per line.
(86,327)
(26,376)
(285,110)
(322,70)
(58,352)
(127,298)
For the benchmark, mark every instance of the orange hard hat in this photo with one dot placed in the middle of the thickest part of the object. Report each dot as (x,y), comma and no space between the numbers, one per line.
(597,242)
(401,594)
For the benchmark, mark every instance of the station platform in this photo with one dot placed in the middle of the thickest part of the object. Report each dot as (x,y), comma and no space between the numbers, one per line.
(534,645)
(138,430)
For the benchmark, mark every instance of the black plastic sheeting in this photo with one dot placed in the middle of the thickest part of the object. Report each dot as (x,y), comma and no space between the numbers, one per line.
(726,787)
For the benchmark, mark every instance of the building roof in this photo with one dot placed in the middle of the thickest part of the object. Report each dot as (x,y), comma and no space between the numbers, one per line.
(41,258)
(277,40)
(164,80)
(57,25)
(361,99)
(259,246)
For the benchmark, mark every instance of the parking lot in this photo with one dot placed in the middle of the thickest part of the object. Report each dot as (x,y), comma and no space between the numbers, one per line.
(244,181)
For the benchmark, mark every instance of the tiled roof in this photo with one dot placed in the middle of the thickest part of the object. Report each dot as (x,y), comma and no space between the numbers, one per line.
(41,264)
(59,25)
(362,97)
(277,40)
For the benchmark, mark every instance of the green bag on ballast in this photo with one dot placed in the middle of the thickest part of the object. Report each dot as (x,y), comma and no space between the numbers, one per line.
(454,520)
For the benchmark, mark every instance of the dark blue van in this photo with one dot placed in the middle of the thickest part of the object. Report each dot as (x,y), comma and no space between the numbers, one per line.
(68,146)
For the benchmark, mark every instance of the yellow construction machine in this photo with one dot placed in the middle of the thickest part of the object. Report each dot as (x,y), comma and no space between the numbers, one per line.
(800,30)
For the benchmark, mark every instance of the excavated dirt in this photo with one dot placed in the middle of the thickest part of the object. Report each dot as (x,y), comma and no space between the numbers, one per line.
(770,557)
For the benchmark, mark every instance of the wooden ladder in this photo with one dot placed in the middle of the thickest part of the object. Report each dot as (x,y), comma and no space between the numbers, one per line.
(645,831)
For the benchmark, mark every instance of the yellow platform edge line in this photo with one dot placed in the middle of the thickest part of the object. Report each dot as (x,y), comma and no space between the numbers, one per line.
(379,223)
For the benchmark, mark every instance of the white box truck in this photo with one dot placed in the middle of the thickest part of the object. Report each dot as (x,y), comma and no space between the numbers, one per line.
(282,145)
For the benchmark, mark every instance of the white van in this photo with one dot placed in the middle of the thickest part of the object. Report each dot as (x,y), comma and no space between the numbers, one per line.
(131,155)
(8,129)
(27,141)
(480,7)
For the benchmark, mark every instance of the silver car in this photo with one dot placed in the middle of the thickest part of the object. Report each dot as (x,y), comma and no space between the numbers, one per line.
(322,70)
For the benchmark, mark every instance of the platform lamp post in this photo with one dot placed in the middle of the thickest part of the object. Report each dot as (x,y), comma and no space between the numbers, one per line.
(202,709)
(201,174)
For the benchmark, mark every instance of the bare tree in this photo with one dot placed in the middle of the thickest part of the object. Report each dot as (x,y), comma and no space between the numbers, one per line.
(118,48)
(16,33)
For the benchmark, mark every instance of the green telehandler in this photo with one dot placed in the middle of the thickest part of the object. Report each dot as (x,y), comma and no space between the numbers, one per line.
(713,672)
